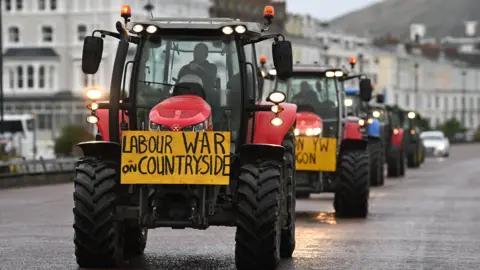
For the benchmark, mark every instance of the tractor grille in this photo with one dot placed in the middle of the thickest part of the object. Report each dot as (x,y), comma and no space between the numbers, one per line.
(330,127)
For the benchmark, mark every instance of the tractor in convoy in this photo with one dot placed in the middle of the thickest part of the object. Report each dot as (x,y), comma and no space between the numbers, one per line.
(190,144)
(331,147)
(413,143)
(376,147)
(392,132)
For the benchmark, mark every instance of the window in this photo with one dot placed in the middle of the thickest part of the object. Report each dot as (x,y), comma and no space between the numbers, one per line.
(82,32)
(162,64)
(8,5)
(41,4)
(53,4)
(47,33)
(407,100)
(19,77)
(30,77)
(11,78)
(19,5)
(13,34)
(41,77)
(437,102)
(51,77)
(454,104)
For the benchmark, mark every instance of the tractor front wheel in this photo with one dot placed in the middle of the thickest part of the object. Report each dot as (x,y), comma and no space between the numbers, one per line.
(376,163)
(258,222)
(287,245)
(394,162)
(98,237)
(353,189)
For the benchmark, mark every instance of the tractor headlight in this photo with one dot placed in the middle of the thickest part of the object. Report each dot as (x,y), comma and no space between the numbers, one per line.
(94,94)
(440,147)
(198,127)
(92,119)
(376,114)
(272,72)
(277,97)
(138,28)
(348,102)
(157,127)
(361,122)
(296,132)
(240,29)
(370,120)
(411,115)
(227,30)
(338,73)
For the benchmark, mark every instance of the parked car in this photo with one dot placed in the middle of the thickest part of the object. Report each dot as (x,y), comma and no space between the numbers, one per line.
(436,143)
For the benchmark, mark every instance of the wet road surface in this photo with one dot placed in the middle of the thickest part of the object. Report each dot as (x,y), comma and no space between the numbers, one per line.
(428,220)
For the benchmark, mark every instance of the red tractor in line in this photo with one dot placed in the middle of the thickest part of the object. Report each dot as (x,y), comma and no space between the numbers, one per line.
(331,149)
(189,145)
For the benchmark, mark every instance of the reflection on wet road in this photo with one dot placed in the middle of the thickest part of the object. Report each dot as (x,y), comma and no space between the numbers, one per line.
(429,220)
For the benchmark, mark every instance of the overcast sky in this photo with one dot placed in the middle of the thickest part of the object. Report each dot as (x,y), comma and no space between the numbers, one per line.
(326,9)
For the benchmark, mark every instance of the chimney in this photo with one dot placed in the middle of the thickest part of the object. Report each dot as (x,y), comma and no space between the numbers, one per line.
(471,28)
(417,32)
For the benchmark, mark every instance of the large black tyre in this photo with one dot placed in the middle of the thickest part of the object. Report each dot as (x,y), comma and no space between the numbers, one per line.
(98,241)
(287,245)
(402,163)
(353,189)
(376,163)
(258,220)
(394,163)
(135,241)
(413,157)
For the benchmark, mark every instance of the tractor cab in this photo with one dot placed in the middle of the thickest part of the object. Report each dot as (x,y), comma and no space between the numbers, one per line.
(317,92)
(189,143)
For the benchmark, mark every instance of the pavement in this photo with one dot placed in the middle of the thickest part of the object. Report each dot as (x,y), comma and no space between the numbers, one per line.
(428,220)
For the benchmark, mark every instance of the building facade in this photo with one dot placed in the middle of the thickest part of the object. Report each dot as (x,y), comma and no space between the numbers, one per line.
(43,41)
(436,89)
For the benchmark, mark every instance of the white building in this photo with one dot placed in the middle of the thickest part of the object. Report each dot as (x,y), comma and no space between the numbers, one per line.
(43,42)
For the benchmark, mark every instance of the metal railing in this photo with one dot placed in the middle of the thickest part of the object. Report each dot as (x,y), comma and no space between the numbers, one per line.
(22,167)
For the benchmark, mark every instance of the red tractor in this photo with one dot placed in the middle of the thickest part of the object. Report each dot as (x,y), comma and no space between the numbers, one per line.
(331,149)
(189,145)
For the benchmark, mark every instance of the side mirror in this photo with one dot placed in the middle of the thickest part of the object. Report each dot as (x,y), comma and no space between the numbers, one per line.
(380,98)
(92,54)
(283,59)
(366,90)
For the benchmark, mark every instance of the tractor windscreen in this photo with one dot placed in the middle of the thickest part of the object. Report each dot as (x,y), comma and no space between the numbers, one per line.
(212,62)
(352,105)
(314,93)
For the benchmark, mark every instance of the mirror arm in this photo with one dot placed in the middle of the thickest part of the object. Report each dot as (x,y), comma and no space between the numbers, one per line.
(268,36)
(259,108)
(342,79)
(104,33)
(123,106)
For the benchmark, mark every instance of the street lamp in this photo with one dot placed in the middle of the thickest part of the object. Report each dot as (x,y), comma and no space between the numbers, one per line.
(360,63)
(416,66)
(1,74)
(464,98)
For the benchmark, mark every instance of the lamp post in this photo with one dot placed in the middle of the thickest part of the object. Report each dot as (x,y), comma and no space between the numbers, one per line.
(360,63)
(464,98)
(2,100)
(416,102)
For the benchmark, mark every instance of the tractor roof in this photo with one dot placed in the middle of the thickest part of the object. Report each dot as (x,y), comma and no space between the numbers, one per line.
(169,23)
(313,68)
(351,91)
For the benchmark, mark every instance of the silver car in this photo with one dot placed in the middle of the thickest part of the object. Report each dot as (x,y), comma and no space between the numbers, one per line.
(436,144)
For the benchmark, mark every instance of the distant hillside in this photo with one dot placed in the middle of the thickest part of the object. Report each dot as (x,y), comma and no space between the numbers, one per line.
(441,17)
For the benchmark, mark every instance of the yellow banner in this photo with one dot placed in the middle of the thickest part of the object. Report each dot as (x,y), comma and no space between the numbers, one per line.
(316,154)
(160,157)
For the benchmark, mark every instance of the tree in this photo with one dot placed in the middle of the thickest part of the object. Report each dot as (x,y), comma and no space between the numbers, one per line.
(69,137)
(451,127)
